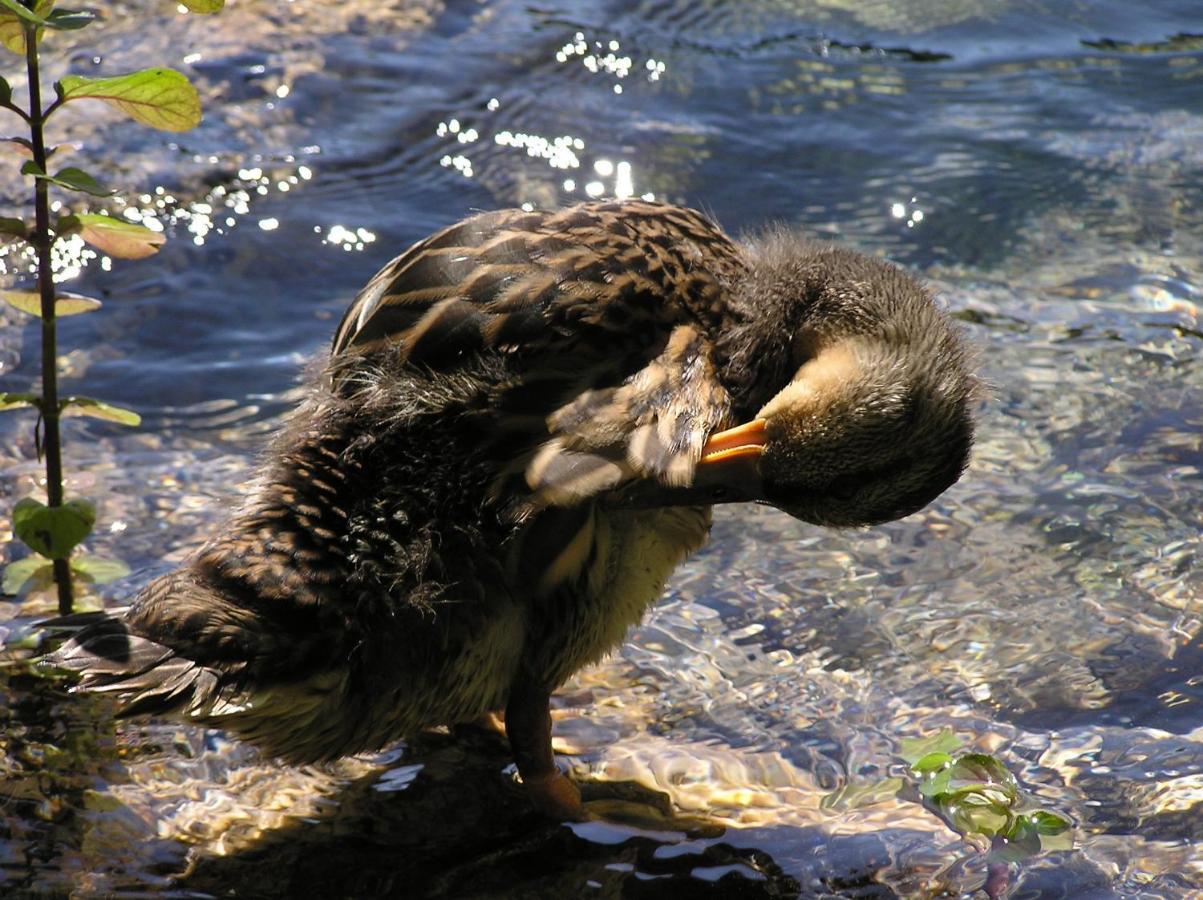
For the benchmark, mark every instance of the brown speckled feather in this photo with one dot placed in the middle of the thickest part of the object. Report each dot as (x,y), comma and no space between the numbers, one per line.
(604,310)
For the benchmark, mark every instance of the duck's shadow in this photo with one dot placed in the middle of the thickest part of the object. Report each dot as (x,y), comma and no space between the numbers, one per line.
(448,823)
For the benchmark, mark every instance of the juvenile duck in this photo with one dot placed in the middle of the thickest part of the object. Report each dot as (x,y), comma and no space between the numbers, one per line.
(519,433)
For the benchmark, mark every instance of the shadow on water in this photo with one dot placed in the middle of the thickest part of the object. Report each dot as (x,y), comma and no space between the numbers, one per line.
(451,825)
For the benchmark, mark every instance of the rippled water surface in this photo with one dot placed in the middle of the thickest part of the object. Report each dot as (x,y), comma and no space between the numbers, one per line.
(1040,163)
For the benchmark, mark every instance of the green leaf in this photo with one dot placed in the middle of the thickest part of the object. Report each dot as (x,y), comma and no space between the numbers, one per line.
(97,570)
(97,409)
(65,304)
(980,795)
(13,19)
(981,772)
(70,19)
(937,785)
(1022,841)
(34,17)
(124,240)
(977,819)
(27,301)
(160,98)
(914,749)
(32,568)
(932,762)
(71,178)
(16,401)
(78,180)
(1048,823)
(53,531)
(6,91)
(204,7)
(15,227)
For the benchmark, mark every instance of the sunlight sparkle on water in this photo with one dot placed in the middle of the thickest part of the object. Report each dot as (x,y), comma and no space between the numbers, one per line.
(161,211)
(347,238)
(909,211)
(471,139)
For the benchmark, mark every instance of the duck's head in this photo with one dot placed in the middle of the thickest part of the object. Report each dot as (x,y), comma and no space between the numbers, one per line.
(874,420)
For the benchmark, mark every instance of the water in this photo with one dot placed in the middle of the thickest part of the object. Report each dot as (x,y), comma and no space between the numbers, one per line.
(1038,163)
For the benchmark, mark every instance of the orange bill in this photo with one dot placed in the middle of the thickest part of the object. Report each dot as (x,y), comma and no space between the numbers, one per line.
(742,440)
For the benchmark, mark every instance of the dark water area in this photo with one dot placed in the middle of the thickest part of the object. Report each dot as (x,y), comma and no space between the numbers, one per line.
(1039,164)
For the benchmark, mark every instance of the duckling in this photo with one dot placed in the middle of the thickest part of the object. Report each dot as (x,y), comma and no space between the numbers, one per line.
(520,431)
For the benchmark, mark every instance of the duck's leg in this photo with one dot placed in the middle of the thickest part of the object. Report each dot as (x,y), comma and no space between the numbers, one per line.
(528,726)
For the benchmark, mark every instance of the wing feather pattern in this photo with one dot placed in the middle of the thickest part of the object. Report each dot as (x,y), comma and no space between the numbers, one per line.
(602,312)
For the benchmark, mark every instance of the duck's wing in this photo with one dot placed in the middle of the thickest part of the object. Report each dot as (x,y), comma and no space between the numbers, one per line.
(605,314)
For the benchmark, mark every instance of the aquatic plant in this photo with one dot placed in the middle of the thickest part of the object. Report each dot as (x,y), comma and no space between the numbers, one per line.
(158,97)
(978,798)
(975,795)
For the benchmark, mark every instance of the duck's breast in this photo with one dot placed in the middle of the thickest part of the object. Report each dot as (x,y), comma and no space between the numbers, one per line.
(610,571)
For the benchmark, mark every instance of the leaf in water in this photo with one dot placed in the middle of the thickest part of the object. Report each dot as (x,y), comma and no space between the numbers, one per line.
(160,98)
(98,409)
(1019,842)
(977,794)
(981,772)
(932,762)
(936,785)
(124,240)
(854,795)
(984,820)
(914,749)
(16,401)
(1048,823)
(203,6)
(15,227)
(33,569)
(12,23)
(65,304)
(98,570)
(53,531)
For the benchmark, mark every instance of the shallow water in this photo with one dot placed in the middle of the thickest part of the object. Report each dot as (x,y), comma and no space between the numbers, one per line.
(1038,163)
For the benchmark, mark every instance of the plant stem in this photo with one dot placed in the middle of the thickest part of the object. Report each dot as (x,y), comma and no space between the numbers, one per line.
(41,240)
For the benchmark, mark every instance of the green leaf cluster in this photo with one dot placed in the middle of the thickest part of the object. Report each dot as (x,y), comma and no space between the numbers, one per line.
(973,793)
(977,796)
(159,97)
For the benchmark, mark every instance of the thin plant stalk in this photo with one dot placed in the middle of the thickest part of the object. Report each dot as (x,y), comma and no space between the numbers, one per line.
(51,443)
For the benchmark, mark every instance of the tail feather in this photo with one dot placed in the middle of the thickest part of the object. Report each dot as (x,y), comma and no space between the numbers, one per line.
(147,677)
